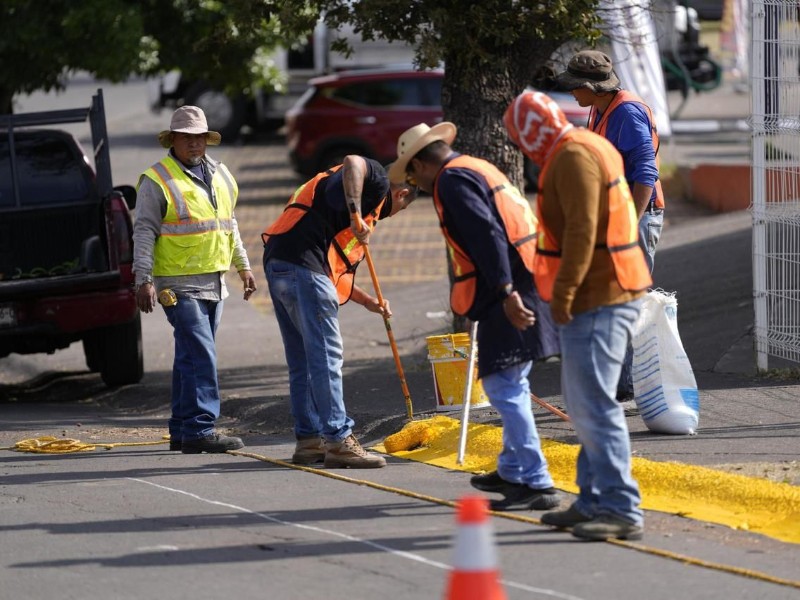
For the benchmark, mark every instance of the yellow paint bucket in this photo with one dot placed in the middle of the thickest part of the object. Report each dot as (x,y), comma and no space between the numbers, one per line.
(449,356)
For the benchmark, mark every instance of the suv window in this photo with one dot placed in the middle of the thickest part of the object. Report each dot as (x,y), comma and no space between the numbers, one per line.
(50,170)
(399,92)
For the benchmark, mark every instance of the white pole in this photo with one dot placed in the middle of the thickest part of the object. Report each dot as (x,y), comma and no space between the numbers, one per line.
(473,349)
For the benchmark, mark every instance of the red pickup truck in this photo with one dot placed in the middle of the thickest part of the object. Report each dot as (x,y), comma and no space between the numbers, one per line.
(66,246)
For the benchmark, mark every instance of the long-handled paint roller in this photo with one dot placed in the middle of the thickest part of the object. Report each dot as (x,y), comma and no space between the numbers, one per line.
(473,347)
(386,319)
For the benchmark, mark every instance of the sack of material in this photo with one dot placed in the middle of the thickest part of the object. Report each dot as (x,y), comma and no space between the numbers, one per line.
(664,386)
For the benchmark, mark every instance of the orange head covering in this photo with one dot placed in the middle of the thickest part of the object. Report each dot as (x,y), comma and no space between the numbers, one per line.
(535,123)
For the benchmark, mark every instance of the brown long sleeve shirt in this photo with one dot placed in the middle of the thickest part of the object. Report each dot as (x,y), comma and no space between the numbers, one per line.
(575,209)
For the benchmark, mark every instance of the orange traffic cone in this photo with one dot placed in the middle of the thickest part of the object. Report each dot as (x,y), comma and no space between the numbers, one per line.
(475,574)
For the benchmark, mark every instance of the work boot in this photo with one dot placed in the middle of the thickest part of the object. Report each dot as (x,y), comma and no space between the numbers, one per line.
(490,482)
(519,495)
(309,451)
(349,454)
(175,444)
(607,527)
(565,518)
(213,443)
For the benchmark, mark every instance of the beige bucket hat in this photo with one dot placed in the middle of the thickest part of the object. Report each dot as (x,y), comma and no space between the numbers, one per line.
(415,139)
(189,119)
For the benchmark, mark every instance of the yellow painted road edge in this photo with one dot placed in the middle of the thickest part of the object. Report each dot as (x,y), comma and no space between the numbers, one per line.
(701,493)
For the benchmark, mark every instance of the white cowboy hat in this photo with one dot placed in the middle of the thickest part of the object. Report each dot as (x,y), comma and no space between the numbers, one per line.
(415,139)
(189,119)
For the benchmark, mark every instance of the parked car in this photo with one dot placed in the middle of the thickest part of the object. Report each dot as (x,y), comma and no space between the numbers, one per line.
(364,112)
(66,245)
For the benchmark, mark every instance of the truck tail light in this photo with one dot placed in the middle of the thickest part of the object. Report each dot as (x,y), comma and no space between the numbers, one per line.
(119,229)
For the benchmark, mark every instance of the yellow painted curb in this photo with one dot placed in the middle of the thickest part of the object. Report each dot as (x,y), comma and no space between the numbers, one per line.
(701,493)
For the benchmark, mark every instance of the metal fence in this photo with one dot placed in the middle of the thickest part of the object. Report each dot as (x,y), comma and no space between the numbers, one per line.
(775,78)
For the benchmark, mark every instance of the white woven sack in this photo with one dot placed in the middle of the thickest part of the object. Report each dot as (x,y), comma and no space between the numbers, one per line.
(664,386)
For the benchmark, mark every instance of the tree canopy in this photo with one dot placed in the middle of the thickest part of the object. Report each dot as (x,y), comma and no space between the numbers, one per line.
(225,43)
(490,49)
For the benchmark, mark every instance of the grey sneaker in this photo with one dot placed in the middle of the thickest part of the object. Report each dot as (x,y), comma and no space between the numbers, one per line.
(349,454)
(309,451)
(214,443)
(565,518)
(606,527)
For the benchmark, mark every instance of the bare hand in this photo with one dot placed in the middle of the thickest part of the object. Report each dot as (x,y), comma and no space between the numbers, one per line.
(249,283)
(146,297)
(561,315)
(517,313)
(372,305)
(359,228)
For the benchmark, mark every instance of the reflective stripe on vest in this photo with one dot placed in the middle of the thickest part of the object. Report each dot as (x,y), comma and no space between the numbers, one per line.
(600,128)
(517,218)
(622,233)
(195,237)
(345,252)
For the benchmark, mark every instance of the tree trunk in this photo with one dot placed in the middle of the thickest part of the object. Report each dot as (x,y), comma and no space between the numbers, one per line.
(476,98)
(475,101)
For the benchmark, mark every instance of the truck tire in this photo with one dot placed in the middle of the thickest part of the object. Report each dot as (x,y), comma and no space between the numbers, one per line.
(93,350)
(223,113)
(122,360)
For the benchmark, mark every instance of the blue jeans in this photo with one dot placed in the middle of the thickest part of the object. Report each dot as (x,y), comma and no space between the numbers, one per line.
(650,226)
(195,387)
(521,459)
(307,309)
(592,349)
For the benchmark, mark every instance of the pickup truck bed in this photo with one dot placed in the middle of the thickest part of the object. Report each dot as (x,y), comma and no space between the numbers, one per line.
(66,246)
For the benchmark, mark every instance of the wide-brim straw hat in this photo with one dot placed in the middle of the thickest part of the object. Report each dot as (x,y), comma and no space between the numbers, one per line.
(189,119)
(415,139)
(590,69)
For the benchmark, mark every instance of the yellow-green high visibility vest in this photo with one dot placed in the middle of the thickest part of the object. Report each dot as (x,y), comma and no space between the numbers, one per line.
(195,238)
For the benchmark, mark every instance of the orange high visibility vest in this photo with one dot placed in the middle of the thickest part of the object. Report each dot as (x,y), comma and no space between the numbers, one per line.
(517,218)
(621,97)
(622,234)
(345,252)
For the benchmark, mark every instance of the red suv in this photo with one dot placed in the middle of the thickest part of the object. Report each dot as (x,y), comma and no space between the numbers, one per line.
(359,112)
(364,112)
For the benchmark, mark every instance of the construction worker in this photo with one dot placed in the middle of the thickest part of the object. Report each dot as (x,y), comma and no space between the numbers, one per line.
(310,255)
(185,238)
(628,123)
(591,270)
(490,232)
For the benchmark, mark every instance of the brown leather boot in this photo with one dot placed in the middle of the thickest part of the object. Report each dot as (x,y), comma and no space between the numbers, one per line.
(349,454)
(309,451)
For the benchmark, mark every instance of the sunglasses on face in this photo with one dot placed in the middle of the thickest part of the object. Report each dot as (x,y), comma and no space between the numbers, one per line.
(410,179)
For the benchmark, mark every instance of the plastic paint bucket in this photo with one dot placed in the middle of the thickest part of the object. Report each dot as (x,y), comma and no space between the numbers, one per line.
(449,355)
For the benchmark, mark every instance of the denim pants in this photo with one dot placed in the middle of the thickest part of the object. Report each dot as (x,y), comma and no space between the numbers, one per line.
(650,226)
(307,309)
(592,349)
(195,387)
(521,459)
